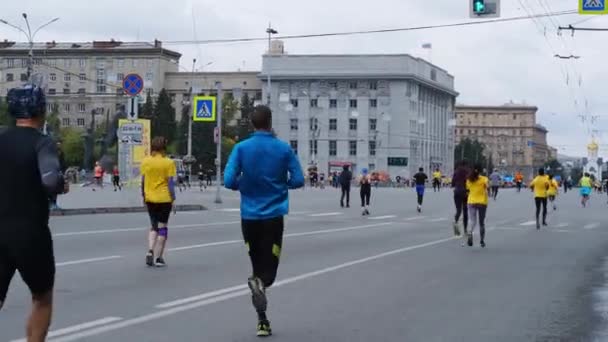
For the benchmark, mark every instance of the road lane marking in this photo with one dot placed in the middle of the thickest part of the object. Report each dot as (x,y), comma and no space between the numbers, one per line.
(239,293)
(229,210)
(201,297)
(325,214)
(86,261)
(415,218)
(382,217)
(438,220)
(78,327)
(562,225)
(528,223)
(591,225)
(122,230)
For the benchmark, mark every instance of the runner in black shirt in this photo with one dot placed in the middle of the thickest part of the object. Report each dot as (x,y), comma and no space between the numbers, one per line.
(459,183)
(420,179)
(30,177)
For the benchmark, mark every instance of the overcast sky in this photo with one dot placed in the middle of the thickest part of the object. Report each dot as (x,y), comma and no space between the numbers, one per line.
(492,64)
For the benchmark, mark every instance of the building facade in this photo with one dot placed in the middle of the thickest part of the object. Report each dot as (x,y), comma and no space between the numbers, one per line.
(510,133)
(382,112)
(84,80)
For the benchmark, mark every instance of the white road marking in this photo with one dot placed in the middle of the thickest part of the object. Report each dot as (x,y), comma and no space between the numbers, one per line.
(86,261)
(591,226)
(230,210)
(325,214)
(122,230)
(238,293)
(299,212)
(438,220)
(528,223)
(562,225)
(562,231)
(201,297)
(78,327)
(382,217)
(415,218)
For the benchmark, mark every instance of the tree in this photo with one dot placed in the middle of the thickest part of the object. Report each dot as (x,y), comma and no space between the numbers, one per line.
(53,124)
(244,126)
(555,168)
(72,146)
(230,107)
(472,151)
(163,117)
(5,118)
(147,109)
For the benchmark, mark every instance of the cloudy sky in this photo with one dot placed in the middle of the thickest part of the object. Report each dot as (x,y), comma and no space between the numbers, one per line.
(492,64)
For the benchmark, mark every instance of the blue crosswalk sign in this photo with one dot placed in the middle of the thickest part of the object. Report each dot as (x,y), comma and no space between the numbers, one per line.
(592,7)
(204,108)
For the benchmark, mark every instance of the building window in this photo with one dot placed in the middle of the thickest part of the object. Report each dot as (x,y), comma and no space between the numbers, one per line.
(53,77)
(294,146)
(82,77)
(352,124)
(293,124)
(24,62)
(120,77)
(134,63)
(352,147)
(312,144)
(66,107)
(52,91)
(52,62)
(66,91)
(80,122)
(353,103)
(120,62)
(23,77)
(101,87)
(82,108)
(352,85)
(65,122)
(294,103)
(373,85)
(82,62)
(372,124)
(67,63)
(120,91)
(314,124)
(333,124)
(10,63)
(314,103)
(333,85)
(149,76)
(333,103)
(10,77)
(333,148)
(82,91)
(67,77)
(372,147)
(373,103)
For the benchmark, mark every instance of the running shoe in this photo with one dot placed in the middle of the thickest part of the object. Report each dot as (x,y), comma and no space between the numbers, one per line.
(470,240)
(150,259)
(264,328)
(456,229)
(483,244)
(419,208)
(554,207)
(160,262)
(537,225)
(258,294)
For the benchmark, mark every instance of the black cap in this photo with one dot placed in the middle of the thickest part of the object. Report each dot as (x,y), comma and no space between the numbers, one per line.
(26,102)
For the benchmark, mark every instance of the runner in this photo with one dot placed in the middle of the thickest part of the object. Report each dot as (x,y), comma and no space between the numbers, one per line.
(29,177)
(552,192)
(345,179)
(366,191)
(585,189)
(98,176)
(459,183)
(420,180)
(181,176)
(436,180)
(519,180)
(477,186)
(495,183)
(116,179)
(201,178)
(158,190)
(259,167)
(540,186)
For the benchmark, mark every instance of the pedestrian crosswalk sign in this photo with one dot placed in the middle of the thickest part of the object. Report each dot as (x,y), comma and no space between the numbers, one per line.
(592,7)
(204,108)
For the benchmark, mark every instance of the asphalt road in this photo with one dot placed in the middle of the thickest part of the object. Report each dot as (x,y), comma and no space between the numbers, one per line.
(395,276)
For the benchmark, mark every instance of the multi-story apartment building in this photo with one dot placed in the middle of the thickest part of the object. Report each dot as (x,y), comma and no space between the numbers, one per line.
(84,80)
(381,112)
(510,133)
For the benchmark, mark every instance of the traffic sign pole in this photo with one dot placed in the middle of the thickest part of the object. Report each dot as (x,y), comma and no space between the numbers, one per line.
(218,199)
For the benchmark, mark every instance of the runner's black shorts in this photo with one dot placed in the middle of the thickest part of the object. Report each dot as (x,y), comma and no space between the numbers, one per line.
(159,213)
(29,250)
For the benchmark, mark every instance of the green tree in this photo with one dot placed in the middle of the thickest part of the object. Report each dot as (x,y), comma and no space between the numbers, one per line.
(5,118)
(72,146)
(472,151)
(244,125)
(146,111)
(163,117)
(53,124)
(230,108)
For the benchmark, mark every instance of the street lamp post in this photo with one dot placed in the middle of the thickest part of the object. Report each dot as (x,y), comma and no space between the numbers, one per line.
(30,38)
(190,118)
(270,32)
(218,199)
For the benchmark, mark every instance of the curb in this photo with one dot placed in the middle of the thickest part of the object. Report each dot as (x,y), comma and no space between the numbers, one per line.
(120,210)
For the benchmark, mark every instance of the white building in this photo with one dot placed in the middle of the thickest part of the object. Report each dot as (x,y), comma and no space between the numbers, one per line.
(391,113)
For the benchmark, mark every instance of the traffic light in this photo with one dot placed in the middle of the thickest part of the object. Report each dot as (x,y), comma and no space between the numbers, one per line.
(479,7)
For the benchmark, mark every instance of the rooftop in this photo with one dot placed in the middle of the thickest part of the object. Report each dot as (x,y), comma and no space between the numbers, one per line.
(506,106)
(63,47)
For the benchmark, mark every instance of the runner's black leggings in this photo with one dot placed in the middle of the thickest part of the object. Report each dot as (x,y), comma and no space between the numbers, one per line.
(264,239)
(541,201)
(345,193)
(460,201)
(366,193)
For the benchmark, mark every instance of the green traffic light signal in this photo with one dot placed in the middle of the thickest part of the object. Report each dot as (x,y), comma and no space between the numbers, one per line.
(479,6)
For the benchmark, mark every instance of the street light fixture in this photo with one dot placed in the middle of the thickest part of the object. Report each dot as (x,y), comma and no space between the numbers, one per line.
(270,32)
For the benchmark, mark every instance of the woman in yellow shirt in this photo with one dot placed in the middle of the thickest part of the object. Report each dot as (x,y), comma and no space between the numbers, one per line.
(477,187)
(540,186)
(552,192)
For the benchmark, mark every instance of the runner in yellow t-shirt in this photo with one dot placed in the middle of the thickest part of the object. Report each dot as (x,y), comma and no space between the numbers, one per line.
(540,186)
(477,187)
(585,188)
(437,180)
(553,191)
